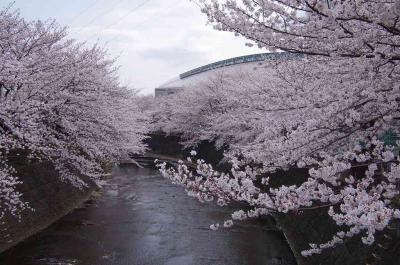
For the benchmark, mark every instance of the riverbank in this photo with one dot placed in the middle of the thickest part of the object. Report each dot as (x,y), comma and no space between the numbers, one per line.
(48,196)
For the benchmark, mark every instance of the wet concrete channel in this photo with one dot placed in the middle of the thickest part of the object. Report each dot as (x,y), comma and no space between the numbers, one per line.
(139,218)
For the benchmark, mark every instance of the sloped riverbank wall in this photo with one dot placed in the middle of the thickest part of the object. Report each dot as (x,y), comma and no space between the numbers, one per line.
(49,197)
(302,228)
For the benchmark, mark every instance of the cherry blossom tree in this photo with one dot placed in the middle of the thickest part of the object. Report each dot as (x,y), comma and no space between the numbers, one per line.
(188,112)
(61,102)
(326,112)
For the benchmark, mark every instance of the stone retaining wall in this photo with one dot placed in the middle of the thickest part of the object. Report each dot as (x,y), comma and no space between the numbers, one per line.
(50,198)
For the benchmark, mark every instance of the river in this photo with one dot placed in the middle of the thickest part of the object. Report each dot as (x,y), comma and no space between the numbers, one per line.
(139,218)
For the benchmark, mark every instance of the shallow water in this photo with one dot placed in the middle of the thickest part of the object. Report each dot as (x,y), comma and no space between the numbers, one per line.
(141,218)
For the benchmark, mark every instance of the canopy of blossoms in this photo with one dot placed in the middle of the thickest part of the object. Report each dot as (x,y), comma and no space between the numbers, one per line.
(60,101)
(326,111)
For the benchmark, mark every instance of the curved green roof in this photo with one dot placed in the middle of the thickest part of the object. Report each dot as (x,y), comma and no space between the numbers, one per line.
(239,60)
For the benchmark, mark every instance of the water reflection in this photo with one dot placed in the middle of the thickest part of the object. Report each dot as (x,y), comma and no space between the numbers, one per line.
(140,218)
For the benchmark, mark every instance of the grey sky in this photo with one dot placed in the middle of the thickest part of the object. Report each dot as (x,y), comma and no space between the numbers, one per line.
(154,40)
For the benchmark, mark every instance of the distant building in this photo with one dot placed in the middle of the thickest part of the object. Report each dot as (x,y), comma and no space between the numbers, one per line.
(243,63)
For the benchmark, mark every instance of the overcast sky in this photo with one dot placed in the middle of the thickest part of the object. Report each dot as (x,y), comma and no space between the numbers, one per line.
(155,40)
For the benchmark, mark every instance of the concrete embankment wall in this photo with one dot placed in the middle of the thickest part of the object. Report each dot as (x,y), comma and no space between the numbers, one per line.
(50,198)
(302,228)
